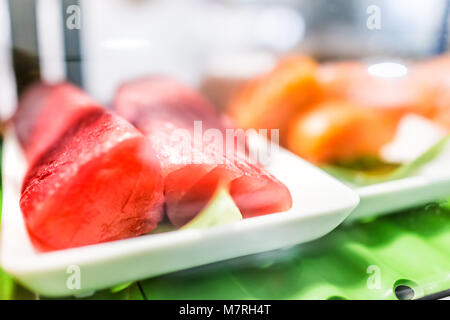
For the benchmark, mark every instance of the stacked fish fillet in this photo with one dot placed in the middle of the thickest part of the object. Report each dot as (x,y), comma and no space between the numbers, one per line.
(96,175)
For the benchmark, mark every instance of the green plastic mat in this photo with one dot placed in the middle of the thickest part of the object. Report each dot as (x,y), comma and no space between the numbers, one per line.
(405,255)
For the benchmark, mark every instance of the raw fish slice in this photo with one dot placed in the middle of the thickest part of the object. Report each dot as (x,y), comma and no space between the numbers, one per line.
(338,131)
(435,75)
(44,113)
(99,182)
(254,191)
(391,96)
(272,99)
(163,110)
(188,103)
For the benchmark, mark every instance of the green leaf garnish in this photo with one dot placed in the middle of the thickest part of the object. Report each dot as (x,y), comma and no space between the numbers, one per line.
(120,287)
(361,175)
(219,211)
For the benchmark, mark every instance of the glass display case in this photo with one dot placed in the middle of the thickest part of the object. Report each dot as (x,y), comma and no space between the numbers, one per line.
(354,205)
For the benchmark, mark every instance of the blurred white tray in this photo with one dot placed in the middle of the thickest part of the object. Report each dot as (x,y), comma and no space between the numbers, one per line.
(389,197)
(431,183)
(320,203)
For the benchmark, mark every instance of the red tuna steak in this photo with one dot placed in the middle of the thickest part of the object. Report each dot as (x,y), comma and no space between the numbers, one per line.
(162,109)
(44,113)
(99,182)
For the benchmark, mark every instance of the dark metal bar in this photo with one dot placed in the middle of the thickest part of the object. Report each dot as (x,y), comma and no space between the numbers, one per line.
(437,295)
(72,45)
(443,34)
(25,53)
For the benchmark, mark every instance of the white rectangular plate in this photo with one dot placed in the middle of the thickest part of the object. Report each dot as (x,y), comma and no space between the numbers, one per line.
(393,196)
(320,203)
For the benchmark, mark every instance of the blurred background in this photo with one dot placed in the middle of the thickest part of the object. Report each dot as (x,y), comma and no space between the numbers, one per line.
(215,46)
(211,44)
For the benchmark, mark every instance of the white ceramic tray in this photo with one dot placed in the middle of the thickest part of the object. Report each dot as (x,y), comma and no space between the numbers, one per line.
(320,203)
(389,197)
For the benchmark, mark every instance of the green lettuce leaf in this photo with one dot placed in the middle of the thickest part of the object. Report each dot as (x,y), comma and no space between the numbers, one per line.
(220,210)
(358,177)
(120,287)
